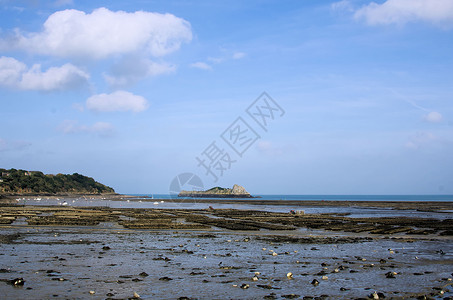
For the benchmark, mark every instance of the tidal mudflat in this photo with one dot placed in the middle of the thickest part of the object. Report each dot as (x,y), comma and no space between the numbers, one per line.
(114,253)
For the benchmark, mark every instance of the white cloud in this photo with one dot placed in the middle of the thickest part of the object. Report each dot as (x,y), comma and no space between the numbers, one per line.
(117,101)
(238,55)
(14,74)
(131,69)
(201,65)
(102,129)
(102,33)
(433,117)
(11,71)
(439,12)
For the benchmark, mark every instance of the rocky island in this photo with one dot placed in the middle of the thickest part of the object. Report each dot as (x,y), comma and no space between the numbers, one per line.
(218,192)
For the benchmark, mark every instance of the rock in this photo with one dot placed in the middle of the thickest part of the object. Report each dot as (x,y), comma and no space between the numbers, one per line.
(254,278)
(324,278)
(136,295)
(270,296)
(106,248)
(92,292)
(17,282)
(143,274)
(291,296)
(289,275)
(245,286)
(390,274)
(165,278)
(315,282)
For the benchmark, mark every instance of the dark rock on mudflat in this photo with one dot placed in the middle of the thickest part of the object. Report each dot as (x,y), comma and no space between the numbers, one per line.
(17,282)
(165,278)
(291,296)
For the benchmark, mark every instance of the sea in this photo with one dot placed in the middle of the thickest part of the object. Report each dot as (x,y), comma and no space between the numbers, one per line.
(330,197)
(166,201)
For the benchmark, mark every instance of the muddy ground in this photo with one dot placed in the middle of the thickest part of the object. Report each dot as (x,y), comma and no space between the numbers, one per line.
(110,253)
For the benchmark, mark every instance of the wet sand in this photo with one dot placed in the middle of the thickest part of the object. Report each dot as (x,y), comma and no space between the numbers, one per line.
(101,253)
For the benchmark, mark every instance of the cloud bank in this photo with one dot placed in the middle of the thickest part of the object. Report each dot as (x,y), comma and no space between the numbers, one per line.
(119,101)
(103,33)
(438,12)
(15,74)
(102,129)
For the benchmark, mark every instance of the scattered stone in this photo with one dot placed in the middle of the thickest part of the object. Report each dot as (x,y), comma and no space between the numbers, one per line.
(291,296)
(165,278)
(17,282)
(390,274)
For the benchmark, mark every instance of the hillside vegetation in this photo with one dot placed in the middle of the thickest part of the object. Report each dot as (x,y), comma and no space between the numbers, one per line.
(34,182)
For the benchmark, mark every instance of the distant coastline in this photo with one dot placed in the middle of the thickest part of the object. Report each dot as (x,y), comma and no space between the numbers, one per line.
(28,183)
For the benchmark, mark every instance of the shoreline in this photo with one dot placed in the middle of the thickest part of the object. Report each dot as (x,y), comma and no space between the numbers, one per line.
(398,205)
(112,253)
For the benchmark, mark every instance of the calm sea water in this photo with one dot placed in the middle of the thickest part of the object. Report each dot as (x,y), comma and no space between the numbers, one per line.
(335,197)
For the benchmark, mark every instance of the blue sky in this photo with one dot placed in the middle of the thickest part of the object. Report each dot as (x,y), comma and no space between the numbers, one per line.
(132,92)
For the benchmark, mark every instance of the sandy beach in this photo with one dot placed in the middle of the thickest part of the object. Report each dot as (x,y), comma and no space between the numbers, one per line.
(110,253)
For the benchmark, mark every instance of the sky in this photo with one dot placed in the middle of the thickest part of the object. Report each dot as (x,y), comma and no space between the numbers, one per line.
(358,94)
